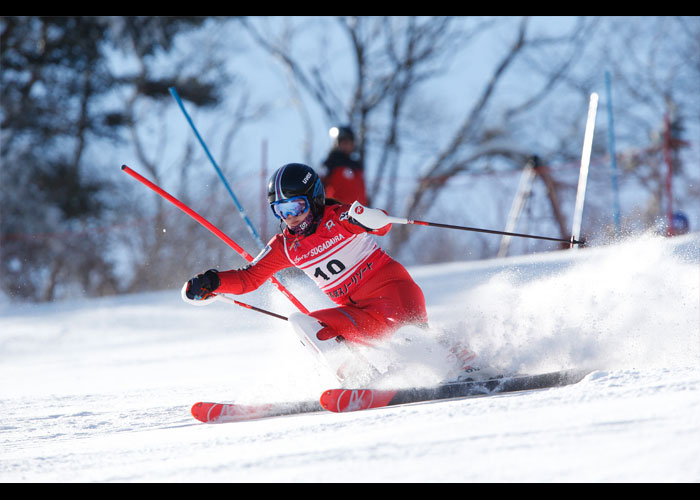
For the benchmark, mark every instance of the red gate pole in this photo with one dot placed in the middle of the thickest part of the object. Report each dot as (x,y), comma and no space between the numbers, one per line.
(213,229)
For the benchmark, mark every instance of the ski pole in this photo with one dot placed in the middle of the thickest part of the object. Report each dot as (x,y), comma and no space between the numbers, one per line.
(491,231)
(248,306)
(213,229)
(353,349)
(220,297)
(241,211)
(376,218)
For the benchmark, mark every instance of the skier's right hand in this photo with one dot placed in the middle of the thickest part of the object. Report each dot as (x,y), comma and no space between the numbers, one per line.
(203,285)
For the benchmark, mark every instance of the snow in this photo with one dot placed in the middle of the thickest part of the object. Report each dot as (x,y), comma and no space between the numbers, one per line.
(99,390)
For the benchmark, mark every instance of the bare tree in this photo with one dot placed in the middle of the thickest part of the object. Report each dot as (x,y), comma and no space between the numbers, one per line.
(80,96)
(179,164)
(393,59)
(657,111)
(480,137)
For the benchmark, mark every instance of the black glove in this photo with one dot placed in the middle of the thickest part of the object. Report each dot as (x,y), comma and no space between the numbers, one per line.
(201,286)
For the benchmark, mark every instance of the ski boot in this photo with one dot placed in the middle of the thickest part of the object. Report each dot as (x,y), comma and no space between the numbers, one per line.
(468,368)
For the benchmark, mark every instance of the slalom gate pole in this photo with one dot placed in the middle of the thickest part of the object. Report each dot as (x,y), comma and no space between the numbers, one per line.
(241,211)
(585,163)
(213,229)
(613,160)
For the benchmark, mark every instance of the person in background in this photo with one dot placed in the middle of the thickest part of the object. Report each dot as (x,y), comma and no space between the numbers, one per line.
(342,173)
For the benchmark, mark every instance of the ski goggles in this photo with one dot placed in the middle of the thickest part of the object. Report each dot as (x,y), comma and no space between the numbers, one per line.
(290,207)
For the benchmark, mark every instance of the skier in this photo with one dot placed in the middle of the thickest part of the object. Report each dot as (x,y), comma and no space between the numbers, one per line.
(331,244)
(342,174)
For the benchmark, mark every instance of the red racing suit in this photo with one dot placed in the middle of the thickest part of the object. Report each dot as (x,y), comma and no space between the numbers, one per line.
(375,294)
(343,178)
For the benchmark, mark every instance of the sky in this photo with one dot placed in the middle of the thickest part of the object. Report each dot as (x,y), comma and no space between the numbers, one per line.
(278,137)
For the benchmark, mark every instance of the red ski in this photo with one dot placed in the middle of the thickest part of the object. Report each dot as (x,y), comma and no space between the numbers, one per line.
(346,400)
(232,412)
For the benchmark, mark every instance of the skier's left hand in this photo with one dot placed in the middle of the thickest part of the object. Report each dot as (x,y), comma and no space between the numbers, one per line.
(367,218)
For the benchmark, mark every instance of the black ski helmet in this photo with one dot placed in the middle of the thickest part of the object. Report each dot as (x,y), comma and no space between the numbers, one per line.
(297,179)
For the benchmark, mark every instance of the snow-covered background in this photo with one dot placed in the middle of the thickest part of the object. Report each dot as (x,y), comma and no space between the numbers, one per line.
(100,390)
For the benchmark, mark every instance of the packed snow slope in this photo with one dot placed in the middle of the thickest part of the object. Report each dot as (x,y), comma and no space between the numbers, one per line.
(100,390)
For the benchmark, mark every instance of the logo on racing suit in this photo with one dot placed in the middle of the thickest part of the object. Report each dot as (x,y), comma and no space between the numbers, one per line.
(352,280)
(319,249)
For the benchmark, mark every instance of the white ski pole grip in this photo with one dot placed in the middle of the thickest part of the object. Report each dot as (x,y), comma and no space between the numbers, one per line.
(373,218)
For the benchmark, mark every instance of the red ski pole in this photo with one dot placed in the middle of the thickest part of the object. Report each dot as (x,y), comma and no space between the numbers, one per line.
(214,230)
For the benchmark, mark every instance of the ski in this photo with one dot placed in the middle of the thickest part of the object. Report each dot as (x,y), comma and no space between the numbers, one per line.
(347,400)
(233,412)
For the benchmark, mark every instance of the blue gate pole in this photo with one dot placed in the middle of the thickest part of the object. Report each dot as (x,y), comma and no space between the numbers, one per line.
(613,162)
(241,211)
